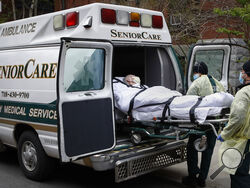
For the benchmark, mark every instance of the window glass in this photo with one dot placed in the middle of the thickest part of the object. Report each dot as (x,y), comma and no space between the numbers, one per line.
(213,60)
(84,69)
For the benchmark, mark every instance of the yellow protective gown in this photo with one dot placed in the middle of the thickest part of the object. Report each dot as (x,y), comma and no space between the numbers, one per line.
(202,86)
(237,132)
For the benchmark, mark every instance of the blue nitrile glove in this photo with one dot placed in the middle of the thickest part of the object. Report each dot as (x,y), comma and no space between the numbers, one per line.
(220,138)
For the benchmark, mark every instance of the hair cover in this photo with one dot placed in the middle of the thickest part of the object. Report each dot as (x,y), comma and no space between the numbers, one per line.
(246,67)
(200,67)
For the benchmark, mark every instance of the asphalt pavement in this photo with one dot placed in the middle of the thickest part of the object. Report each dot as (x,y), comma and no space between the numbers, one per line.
(75,176)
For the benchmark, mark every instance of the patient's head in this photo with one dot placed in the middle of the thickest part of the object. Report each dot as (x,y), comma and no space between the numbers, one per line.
(132,80)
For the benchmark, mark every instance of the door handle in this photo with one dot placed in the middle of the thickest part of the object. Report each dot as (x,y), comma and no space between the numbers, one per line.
(89,93)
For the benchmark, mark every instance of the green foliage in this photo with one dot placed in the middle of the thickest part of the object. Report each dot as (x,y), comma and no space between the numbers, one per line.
(228,31)
(243,13)
(243,2)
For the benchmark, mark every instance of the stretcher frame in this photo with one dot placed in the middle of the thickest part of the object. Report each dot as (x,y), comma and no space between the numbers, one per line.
(169,123)
(171,128)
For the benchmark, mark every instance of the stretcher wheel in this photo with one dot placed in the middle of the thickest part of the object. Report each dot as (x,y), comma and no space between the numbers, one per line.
(135,138)
(200,144)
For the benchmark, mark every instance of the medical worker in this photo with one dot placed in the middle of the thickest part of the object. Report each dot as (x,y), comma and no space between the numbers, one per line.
(237,133)
(202,85)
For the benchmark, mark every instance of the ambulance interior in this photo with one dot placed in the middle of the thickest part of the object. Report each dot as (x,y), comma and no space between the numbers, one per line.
(151,64)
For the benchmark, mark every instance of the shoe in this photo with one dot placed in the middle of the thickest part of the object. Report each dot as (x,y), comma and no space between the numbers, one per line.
(200,182)
(189,181)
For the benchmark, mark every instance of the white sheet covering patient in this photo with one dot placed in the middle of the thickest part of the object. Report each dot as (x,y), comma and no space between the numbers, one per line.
(179,107)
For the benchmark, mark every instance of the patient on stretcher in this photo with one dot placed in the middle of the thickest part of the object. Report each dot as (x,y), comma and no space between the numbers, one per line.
(132,80)
(145,103)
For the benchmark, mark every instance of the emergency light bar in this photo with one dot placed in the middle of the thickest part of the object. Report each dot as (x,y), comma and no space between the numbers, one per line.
(108,16)
(70,20)
(134,19)
(157,21)
(146,20)
(111,16)
(58,22)
(122,17)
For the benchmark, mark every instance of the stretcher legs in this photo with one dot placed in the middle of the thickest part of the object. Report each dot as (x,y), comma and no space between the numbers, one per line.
(173,133)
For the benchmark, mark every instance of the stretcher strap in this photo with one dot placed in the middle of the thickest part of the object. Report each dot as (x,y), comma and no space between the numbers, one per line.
(153,104)
(191,112)
(212,83)
(166,107)
(131,104)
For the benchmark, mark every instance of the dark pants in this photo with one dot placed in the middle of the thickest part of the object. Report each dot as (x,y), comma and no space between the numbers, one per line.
(241,179)
(192,156)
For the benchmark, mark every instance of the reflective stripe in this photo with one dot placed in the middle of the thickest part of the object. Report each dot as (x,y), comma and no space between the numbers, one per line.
(35,126)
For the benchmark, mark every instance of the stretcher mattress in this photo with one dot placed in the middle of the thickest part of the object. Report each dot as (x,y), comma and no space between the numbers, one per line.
(210,105)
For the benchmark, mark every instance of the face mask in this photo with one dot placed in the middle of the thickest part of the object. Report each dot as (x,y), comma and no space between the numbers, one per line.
(195,76)
(241,79)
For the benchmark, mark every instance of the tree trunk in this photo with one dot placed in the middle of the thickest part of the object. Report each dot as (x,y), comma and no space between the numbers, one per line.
(31,9)
(35,7)
(23,7)
(13,9)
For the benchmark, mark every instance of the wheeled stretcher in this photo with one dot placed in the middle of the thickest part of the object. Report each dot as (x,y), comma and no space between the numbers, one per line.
(170,128)
(158,112)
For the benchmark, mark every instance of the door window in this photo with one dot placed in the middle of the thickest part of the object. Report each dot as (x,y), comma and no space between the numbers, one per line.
(84,69)
(213,59)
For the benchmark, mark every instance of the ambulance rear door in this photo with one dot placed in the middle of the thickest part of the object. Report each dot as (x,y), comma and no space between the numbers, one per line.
(217,59)
(85,100)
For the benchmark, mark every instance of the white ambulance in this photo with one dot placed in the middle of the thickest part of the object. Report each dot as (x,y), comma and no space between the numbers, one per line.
(56,97)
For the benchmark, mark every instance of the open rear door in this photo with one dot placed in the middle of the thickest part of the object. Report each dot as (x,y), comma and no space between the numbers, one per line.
(85,100)
(216,57)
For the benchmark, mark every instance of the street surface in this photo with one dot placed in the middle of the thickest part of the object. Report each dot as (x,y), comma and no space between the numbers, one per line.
(75,176)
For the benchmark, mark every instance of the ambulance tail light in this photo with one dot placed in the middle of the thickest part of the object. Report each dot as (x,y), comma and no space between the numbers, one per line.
(72,19)
(108,16)
(134,19)
(157,21)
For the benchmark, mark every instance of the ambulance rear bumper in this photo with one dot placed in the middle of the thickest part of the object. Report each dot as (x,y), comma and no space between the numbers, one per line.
(133,163)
